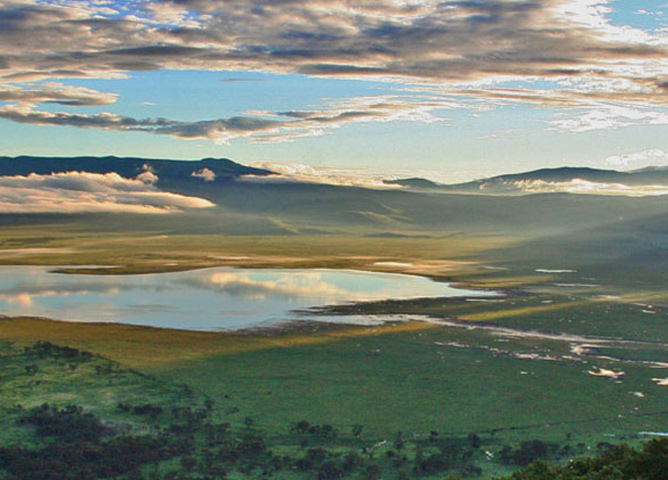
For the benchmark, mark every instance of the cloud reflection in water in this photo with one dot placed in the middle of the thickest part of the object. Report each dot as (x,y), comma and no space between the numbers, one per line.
(207,299)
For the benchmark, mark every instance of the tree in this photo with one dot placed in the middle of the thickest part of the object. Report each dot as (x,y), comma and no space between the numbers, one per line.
(373,472)
(329,471)
(301,426)
(474,440)
(399,442)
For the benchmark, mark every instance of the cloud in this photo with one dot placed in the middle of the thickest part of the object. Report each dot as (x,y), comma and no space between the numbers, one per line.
(331,176)
(54,92)
(219,131)
(242,79)
(430,40)
(147,176)
(651,157)
(352,177)
(293,285)
(607,117)
(465,48)
(205,174)
(77,192)
(260,127)
(594,188)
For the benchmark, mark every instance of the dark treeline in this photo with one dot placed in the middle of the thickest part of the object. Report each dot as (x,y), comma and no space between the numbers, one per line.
(57,351)
(69,424)
(77,445)
(622,462)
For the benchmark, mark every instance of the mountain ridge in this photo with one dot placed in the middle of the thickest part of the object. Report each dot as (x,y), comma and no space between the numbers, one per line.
(514,183)
(248,205)
(127,167)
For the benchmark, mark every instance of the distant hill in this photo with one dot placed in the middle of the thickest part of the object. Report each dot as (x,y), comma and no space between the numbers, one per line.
(257,206)
(651,174)
(422,183)
(170,172)
(517,183)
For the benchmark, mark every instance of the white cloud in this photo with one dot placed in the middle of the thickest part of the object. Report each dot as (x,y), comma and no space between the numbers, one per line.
(148,178)
(205,174)
(76,192)
(352,177)
(258,126)
(606,117)
(646,158)
(570,43)
(429,40)
(593,188)
(327,175)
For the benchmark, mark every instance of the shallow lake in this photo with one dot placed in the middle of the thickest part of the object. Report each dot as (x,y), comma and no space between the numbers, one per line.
(206,299)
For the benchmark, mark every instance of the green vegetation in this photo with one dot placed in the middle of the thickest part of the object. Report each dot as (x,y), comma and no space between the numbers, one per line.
(153,251)
(615,463)
(567,364)
(330,388)
(45,372)
(163,431)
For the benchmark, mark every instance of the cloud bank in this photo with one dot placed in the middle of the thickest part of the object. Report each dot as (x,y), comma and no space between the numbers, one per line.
(260,126)
(567,53)
(78,192)
(429,40)
(297,172)
(593,188)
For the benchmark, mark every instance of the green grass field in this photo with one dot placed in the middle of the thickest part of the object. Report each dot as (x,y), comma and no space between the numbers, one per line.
(416,377)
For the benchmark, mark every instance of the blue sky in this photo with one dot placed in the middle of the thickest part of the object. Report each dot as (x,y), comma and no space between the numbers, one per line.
(646,14)
(447,90)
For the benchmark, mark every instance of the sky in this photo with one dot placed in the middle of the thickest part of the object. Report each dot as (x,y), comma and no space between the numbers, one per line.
(447,90)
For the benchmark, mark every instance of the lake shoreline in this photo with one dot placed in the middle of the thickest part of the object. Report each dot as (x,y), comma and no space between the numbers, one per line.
(212,299)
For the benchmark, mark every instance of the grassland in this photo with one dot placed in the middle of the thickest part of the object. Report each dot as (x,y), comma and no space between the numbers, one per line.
(144,252)
(417,377)
(39,372)
(414,378)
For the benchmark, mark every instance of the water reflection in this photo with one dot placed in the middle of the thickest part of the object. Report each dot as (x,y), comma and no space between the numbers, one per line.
(256,285)
(208,299)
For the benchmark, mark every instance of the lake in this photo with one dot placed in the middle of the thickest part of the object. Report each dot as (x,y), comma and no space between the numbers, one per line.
(207,299)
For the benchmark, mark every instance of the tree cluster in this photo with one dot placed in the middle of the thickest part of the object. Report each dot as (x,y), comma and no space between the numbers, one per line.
(48,349)
(649,462)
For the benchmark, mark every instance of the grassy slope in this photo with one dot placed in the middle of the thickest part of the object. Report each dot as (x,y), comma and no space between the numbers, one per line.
(398,377)
(31,378)
(154,349)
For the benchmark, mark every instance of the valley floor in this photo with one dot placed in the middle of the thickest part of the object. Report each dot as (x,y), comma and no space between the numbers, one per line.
(568,362)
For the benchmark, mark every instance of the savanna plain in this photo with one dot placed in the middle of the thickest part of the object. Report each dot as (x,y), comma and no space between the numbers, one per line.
(557,352)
